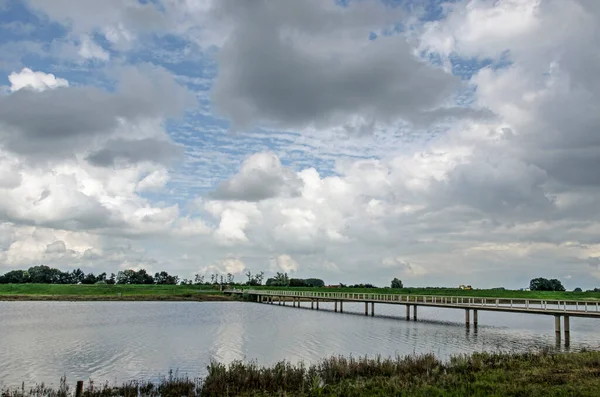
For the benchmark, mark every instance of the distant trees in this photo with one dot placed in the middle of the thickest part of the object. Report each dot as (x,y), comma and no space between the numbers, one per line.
(396,283)
(577,290)
(543,284)
(130,276)
(256,279)
(165,278)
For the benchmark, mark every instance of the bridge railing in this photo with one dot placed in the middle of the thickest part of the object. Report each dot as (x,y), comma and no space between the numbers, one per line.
(468,301)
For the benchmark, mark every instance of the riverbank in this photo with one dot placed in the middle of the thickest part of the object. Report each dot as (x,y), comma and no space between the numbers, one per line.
(102,292)
(480,374)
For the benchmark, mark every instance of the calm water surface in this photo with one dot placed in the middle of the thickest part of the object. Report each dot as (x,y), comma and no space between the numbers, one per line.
(116,341)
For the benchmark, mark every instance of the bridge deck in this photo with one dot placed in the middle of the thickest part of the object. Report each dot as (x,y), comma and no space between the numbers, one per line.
(533,306)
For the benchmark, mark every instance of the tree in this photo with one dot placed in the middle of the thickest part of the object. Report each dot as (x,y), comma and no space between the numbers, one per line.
(112,279)
(314,282)
(396,283)
(297,282)
(77,276)
(198,279)
(15,277)
(164,278)
(230,278)
(89,278)
(543,284)
(130,276)
(577,290)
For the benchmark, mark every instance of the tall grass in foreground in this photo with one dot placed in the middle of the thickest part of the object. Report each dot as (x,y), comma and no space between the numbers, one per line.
(479,374)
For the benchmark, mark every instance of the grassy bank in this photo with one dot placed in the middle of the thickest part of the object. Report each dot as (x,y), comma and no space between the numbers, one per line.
(483,293)
(480,374)
(109,292)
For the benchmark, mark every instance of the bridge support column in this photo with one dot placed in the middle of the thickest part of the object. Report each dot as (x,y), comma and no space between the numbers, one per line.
(366,308)
(372,308)
(407,312)
(467,317)
(341,306)
(312,304)
(567,330)
(335,306)
(475,318)
(557,327)
(317,304)
(415,312)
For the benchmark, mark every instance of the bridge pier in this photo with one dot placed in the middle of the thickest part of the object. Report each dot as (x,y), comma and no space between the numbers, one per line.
(407,312)
(335,306)
(317,304)
(475,318)
(372,308)
(312,304)
(366,308)
(415,312)
(567,331)
(341,306)
(467,317)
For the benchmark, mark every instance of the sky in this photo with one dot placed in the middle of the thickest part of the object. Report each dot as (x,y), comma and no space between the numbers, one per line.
(439,142)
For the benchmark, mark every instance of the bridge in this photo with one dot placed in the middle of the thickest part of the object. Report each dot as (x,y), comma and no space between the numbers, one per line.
(556,308)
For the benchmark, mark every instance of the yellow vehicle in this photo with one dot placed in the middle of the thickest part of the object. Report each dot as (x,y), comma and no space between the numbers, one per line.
(465,287)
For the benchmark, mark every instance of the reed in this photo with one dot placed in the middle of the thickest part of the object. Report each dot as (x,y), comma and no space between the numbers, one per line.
(480,374)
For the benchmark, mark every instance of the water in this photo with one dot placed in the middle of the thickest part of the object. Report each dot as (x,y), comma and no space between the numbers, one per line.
(117,341)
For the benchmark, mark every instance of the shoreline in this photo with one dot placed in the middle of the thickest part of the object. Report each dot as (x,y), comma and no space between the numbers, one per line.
(126,298)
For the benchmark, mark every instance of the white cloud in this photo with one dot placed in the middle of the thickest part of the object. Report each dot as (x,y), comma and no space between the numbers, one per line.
(38,81)
(283,264)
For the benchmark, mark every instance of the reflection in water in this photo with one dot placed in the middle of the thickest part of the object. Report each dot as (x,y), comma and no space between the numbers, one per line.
(115,341)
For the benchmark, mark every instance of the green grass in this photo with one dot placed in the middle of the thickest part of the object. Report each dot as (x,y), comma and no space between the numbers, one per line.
(107,292)
(484,293)
(480,374)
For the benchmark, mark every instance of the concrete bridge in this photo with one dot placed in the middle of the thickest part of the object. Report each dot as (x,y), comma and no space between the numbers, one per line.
(556,308)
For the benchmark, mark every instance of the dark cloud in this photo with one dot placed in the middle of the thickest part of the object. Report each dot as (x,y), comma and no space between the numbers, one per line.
(135,151)
(59,122)
(296,64)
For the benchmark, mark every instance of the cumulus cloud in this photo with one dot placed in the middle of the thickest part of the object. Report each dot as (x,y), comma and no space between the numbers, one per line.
(297,64)
(37,81)
(283,264)
(260,177)
(60,121)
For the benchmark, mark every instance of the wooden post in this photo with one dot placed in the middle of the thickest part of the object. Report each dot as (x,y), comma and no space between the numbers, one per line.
(467,317)
(475,318)
(372,308)
(366,308)
(79,389)
(415,312)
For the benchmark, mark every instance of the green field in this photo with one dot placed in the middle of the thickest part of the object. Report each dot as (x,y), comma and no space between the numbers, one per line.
(108,292)
(203,292)
(483,293)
